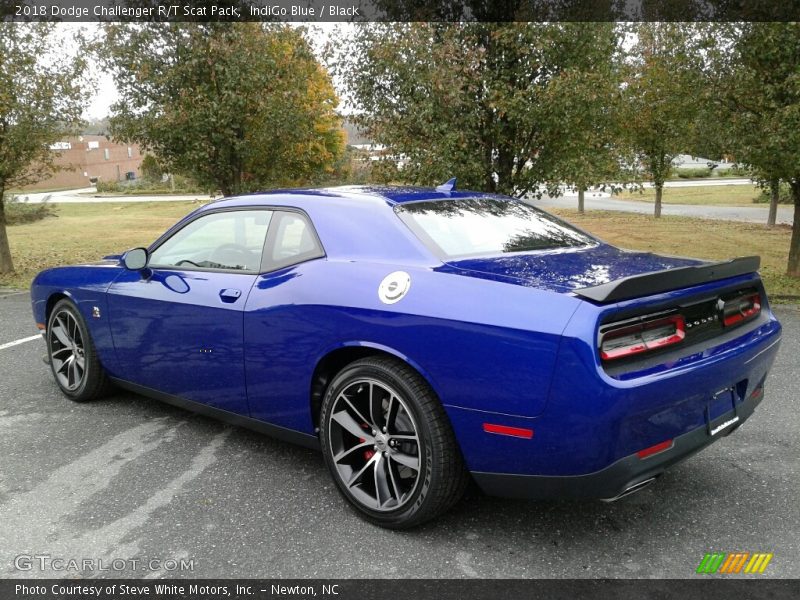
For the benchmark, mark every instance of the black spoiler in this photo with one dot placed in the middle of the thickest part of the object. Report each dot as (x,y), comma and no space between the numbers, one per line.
(667,280)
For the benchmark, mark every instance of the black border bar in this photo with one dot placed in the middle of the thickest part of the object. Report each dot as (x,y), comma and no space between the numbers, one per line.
(321,11)
(702,587)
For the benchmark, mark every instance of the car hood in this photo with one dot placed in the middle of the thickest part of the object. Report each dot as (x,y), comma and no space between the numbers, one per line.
(566,270)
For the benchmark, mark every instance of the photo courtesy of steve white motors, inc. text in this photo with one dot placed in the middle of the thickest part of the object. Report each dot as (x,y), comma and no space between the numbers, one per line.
(138,590)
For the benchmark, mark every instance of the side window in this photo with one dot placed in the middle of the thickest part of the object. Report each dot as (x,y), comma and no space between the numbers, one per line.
(232,240)
(292,240)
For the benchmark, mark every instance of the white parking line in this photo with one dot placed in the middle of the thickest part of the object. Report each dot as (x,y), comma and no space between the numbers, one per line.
(20,341)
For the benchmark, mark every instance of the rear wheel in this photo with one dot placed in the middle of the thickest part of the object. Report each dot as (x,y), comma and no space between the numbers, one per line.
(389,445)
(73,358)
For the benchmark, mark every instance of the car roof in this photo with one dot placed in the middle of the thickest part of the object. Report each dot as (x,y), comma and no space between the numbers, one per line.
(353,222)
(392,195)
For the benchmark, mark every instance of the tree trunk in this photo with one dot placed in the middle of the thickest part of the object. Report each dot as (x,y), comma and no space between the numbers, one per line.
(774,189)
(659,191)
(6,266)
(581,192)
(793,269)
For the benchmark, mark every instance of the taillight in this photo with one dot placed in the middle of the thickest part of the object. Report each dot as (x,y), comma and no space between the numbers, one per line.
(741,309)
(628,340)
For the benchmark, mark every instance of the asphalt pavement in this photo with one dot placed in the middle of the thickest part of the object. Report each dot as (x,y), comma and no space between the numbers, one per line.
(129,478)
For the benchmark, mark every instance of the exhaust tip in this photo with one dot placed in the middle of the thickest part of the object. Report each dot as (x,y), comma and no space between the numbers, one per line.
(631,490)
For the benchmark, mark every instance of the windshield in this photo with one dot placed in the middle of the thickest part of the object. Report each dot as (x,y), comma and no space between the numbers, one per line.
(485,226)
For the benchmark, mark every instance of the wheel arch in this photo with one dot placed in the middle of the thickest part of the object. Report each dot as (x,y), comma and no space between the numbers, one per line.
(53,299)
(338,357)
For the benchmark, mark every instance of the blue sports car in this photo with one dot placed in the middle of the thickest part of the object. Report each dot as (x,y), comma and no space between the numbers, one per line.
(422,338)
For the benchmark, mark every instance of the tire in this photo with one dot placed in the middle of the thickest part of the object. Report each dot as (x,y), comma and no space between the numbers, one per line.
(373,467)
(68,345)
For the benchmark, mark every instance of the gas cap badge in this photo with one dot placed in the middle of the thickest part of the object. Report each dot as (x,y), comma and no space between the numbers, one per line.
(394,286)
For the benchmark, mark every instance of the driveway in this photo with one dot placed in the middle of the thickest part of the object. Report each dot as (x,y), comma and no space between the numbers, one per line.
(130,478)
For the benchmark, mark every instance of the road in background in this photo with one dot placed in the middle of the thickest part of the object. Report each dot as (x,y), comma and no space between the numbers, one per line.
(595,200)
(747,214)
(602,200)
(91,195)
(131,477)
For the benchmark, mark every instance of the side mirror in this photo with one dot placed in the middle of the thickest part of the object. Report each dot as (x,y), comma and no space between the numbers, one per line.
(135,260)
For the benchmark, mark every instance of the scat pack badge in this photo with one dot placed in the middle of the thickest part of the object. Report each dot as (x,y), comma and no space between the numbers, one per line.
(394,287)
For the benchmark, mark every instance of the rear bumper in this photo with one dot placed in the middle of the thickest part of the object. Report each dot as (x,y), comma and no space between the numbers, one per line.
(625,473)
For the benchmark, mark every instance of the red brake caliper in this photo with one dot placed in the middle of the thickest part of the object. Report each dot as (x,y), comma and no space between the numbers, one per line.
(367,453)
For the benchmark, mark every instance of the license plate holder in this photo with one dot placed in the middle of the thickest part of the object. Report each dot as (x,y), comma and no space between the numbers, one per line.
(721,411)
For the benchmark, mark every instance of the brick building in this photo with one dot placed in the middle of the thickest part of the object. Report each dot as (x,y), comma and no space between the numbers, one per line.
(88,156)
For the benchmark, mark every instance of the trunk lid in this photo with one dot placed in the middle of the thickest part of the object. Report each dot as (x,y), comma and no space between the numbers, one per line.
(567,270)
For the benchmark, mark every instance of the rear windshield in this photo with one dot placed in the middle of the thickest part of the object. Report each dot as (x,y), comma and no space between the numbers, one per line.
(486,226)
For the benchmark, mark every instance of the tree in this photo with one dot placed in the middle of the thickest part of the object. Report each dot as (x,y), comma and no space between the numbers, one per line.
(661,96)
(760,99)
(41,100)
(585,108)
(236,106)
(718,131)
(473,100)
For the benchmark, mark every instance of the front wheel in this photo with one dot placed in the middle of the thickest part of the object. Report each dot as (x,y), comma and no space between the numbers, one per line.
(388,444)
(73,358)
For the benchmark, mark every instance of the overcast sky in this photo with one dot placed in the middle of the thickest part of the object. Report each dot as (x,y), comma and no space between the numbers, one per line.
(105,92)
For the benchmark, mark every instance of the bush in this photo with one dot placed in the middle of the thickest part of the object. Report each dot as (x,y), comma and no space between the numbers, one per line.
(784,195)
(692,173)
(354,167)
(18,212)
(151,170)
(739,171)
(182,185)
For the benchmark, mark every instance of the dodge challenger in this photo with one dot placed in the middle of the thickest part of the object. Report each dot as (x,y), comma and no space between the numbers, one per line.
(422,338)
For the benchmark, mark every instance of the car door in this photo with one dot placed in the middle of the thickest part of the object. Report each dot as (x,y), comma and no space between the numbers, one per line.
(178,325)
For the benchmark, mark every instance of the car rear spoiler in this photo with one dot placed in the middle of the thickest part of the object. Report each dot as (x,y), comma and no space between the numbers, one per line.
(667,280)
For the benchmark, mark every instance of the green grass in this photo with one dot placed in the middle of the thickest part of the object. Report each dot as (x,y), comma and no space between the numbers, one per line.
(87,232)
(720,195)
(699,238)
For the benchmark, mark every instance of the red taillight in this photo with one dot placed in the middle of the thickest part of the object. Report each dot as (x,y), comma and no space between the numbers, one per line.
(629,340)
(741,309)
(654,449)
(506,430)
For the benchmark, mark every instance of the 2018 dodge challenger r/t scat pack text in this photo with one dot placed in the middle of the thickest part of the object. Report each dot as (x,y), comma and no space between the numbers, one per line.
(421,338)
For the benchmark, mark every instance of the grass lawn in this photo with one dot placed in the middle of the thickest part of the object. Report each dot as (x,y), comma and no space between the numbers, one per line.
(87,232)
(722,195)
(699,238)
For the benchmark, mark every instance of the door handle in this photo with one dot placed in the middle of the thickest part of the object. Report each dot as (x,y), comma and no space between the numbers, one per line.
(230,295)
